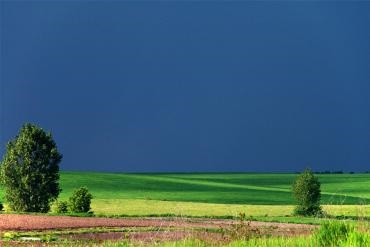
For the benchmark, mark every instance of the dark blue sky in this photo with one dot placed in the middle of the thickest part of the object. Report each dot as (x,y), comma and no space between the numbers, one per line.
(197,86)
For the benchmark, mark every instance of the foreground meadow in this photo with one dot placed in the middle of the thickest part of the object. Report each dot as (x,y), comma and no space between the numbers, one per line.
(218,209)
(39,230)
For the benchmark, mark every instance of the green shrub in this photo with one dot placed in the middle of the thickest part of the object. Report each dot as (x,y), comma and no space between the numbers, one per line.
(80,201)
(60,207)
(10,235)
(48,238)
(307,193)
(241,230)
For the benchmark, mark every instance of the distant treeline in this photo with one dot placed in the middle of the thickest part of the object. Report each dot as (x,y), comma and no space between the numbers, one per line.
(335,172)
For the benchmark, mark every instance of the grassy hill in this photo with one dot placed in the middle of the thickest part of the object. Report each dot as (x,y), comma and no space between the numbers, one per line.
(211,194)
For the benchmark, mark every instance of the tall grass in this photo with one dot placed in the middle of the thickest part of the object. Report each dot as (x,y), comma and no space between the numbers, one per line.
(339,233)
(333,233)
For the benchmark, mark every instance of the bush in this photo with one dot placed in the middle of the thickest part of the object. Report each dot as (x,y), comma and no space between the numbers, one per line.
(60,207)
(241,230)
(29,170)
(10,235)
(307,193)
(1,206)
(80,201)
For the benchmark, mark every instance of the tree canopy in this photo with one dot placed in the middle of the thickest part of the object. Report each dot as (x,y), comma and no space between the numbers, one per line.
(307,193)
(29,170)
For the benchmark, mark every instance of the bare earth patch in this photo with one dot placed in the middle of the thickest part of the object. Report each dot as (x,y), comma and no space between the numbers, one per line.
(149,236)
(37,222)
(168,228)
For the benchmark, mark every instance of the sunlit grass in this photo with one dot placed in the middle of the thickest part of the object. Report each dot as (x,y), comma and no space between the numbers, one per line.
(148,207)
(213,194)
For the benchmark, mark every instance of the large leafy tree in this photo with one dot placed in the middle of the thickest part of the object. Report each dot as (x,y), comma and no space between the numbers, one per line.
(307,193)
(29,170)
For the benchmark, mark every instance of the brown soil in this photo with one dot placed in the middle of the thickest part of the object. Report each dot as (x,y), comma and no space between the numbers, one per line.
(173,228)
(37,222)
(146,237)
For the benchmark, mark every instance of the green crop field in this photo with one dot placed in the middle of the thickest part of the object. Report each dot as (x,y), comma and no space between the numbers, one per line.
(214,194)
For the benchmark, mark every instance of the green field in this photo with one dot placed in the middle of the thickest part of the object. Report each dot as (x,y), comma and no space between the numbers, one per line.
(213,194)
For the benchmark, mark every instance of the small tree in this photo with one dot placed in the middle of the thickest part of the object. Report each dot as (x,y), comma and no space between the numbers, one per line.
(307,193)
(80,201)
(29,171)
(60,207)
